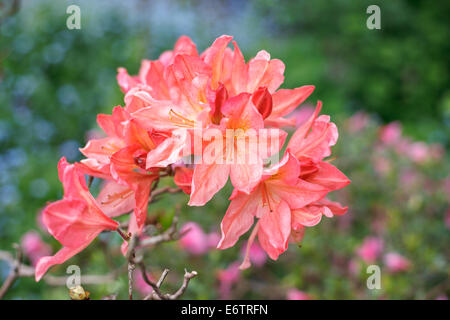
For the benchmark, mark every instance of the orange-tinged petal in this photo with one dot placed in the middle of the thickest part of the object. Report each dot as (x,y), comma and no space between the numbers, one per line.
(167,152)
(308,216)
(238,219)
(213,56)
(126,82)
(328,176)
(208,178)
(239,72)
(298,195)
(286,100)
(183,178)
(115,199)
(60,257)
(275,229)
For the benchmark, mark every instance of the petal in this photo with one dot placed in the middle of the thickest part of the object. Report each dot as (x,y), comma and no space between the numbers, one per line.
(308,216)
(262,100)
(154,78)
(60,257)
(213,56)
(168,152)
(316,145)
(73,181)
(94,168)
(126,82)
(242,113)
(245,177)
(141,196)
(115,199)
(286,170)
(270,141)
(124,169)
(298,195)
(274,75)
(274,230)
(102,149)
(158,116)
(73,222)
(239,72)
(113,124)
(286,100)
(279,122)
(335,207)
(183,178)
(185,45)
(207,180)
(299,135)
(238,219)
(328,176)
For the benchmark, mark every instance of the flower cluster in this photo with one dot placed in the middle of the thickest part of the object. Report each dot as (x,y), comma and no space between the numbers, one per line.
(201,119)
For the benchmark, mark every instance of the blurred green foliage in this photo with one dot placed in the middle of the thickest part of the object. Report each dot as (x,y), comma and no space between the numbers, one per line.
(401,71)
(53,82)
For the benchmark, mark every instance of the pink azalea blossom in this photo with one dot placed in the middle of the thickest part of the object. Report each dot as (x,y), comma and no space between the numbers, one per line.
(227,278)
(419,152)
(396,262)
(256,254)
(140,284)
(295,294)
(75,221)
(33,247)
(358,122)
(370,249)
(195,240)
(391,133)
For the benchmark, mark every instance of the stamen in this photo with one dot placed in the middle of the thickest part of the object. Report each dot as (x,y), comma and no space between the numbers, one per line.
(119,195)
(180,120)
(266,197)
(108,149)
(246,263)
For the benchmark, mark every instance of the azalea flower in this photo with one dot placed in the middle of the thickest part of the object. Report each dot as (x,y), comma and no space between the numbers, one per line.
(131,156)
(75,220)
(272,201)
(214,90)
(225,114)
(289,195)
(231,155)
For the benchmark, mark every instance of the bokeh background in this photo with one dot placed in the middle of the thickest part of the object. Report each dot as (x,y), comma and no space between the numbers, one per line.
(387,90)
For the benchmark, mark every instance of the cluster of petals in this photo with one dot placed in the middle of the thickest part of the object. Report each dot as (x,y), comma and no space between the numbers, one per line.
(154,133)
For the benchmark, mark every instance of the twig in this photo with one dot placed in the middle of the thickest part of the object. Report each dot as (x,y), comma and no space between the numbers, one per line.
(160,191)
(130,256)
(187,277)
(156,294)
(27,271)
(170,234)
(14,273)
(162,278)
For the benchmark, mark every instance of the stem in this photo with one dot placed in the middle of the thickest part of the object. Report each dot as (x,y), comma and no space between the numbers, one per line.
(124,236)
